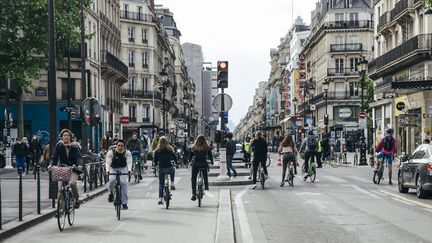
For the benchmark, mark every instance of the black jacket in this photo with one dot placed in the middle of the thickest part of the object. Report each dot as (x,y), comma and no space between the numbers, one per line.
(231,147)
(259,147)
(60,155)
(199,158)
(164,157)
(21,149)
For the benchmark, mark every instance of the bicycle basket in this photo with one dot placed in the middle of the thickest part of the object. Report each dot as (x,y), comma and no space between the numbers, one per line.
(60,173)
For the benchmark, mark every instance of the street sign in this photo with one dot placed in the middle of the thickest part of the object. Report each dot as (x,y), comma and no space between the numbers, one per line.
(362,115)
(345,112)
(312,107)
(124,120)
(217,102)
(400,106)
(362,120)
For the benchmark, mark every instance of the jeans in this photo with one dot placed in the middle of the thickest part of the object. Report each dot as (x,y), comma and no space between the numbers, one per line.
(194,178)
(287,158)
(308,156)
(229,164)
(256,163)
(21,163)
(318,158)
(162,172)
(73,184)
(123,184)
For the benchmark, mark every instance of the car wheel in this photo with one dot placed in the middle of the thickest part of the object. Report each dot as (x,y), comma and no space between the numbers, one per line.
(421,193)
(401,188)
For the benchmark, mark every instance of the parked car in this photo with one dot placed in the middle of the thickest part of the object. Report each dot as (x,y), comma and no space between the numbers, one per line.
(416,172)
(239,152)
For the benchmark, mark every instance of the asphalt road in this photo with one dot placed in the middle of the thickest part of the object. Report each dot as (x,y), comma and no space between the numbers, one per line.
(343,205)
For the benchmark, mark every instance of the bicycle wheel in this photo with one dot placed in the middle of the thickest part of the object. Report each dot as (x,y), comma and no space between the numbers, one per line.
(167,197)
(262,179)
(118,202)
(268,161)
(71,213)
(312,175)
(380,174)
(136,172)
(333,162)
(200,194)
(344,158)
(291,177)
(61,212)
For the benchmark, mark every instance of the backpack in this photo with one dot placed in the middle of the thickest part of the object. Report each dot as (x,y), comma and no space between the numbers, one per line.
(312,144)
(144,143)
(388,143)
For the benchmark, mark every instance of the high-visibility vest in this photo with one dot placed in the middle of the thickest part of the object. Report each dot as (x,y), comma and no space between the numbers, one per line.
(246,146)
(319,147)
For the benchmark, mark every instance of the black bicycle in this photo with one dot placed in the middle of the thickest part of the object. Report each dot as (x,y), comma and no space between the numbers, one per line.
(261,175)
(291,175)
(167,191)
(200,183)
(379,172)
(117,193)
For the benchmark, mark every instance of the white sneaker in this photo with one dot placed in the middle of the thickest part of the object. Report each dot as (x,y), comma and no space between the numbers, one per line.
(253,187)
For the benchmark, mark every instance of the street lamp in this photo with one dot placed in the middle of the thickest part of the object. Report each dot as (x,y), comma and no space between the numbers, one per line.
(325,88)
(294,102)
(362,68)
(164,79)
(190,119)
(153,99)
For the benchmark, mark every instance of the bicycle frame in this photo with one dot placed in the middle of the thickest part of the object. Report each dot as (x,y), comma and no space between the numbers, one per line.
(200,183)
(117,190)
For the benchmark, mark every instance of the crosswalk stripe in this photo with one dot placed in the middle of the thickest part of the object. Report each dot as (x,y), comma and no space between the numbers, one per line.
(335,179)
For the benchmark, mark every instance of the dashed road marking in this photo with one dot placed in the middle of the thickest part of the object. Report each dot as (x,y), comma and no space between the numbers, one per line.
(357,188)
(402,201)
(335,179)
(308,193)
(379,193)
(358,178)
(406,199)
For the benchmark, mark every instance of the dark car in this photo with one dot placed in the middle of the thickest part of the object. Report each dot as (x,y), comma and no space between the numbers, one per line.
(416,173)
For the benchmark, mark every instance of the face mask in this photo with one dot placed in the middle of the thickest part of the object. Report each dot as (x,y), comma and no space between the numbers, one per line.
(120,150)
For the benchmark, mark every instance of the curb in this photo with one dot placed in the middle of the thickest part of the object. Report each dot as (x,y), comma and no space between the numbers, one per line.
(49,213)
(230,183)
(225,219)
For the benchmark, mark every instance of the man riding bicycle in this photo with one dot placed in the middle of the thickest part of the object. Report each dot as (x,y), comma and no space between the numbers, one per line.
(118,159)
(386,148)
(309,147)
(135,147)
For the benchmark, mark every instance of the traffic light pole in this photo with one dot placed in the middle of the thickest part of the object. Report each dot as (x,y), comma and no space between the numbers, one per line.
(222,114)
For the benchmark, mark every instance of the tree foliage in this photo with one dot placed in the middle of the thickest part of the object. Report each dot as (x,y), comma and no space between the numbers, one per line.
(24,36)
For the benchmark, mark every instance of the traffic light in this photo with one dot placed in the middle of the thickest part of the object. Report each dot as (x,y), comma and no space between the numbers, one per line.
(326,119)
(222,74)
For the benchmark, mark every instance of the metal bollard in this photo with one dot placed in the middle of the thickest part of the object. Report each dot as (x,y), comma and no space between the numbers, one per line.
(95,175)
(20,195)
(38,190)
(85,178)
(91,177)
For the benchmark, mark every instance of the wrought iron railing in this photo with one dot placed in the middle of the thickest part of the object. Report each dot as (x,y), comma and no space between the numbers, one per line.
(345,47)
(112,61)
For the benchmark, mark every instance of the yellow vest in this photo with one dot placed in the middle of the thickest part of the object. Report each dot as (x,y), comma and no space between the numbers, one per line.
(246,147)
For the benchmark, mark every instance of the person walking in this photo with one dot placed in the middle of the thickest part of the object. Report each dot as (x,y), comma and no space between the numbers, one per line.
(35,152)
(230,151)
(288,150)
(260,151)
(319,154)
(199,154)
(20,150)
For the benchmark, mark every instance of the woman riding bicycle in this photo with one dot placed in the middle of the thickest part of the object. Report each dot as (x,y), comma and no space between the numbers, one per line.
(289,150)
(68,153)
(199,153)
(164,155)
(260,150)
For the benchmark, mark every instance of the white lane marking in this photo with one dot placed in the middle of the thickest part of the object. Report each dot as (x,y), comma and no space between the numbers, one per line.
(243,220)
(429,210)
(335,179)
(117,228)
(402,201)
(357,188)
(358,178)
(406,199)
(308,193)
(379,193)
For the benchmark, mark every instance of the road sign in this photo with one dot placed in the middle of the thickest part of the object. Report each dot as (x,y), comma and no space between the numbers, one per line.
(312,107)
(217,102)
(362,120)
(362,115)
(400,106)
(345,112)
(124,120)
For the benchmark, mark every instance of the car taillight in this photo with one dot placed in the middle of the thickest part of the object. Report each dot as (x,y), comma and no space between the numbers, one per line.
(429,166)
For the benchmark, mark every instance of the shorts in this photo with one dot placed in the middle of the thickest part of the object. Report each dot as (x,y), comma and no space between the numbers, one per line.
(388,157)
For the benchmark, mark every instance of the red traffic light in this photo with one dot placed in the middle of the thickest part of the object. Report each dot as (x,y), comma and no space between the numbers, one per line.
(222,65)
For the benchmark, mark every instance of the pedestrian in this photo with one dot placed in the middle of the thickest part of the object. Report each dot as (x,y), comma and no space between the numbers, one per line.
(106,142)
(319,154)
(289,151)
(20,150)
(230,151)
(309,147)
(260,151)
(68,152)
(246,152)
(35,151)
(199,154)
(28,158)
(325,147)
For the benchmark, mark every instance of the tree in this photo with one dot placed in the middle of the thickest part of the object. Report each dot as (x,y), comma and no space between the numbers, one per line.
(24,41)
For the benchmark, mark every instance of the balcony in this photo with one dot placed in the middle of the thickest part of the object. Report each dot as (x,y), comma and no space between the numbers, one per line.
(384,20)
(146,119)
(112,67)
(141,94)
(75,51)
(334,95)
(400,7)
(407,54)
(346,47)
(342,72)
(348,24)
(109,24)
(136,16)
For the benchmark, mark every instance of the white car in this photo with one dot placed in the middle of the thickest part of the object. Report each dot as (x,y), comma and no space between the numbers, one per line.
(239,152)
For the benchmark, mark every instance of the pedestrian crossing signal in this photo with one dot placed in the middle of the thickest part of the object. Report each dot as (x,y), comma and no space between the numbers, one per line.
(222,74)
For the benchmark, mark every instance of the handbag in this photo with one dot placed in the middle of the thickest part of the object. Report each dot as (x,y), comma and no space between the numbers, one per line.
(61,173)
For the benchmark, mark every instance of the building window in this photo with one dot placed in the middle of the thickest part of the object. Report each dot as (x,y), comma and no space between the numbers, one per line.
(145,59)
(65,89)
(144,36)
(132,112)
(145,113)
(353,64)
(339,17)
(126,7)
(339,65)
(145,84)
(131,59)
(354,19)
(131,34)
(132,84)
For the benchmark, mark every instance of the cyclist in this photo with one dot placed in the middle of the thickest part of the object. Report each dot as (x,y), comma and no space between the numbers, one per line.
(164,155)
(68,153)
(386,148)
(198,155)
(118,159)
(310,147)
(246,151)
(260,150)
(289,150)
(135,147)
(145,144)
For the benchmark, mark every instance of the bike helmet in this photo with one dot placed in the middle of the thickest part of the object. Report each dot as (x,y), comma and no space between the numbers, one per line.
(390,130)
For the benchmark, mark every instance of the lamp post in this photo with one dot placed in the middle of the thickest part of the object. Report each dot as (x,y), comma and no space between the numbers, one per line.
(362,68)
(164,78)
(325,88)
(153,115)
(190,119)
(294,101)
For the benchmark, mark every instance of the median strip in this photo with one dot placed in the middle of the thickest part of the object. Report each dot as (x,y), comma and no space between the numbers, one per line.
(225,225)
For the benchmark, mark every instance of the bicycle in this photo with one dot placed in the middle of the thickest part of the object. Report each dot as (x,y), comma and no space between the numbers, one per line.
(378,173)
(311,173)
(291,175)
(136,168)
(262,176)
(117,193)
(200,183)
(66,200)
(167,191)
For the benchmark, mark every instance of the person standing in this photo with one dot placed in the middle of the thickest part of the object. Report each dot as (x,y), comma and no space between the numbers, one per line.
(20,150)
(118,159)
(246,151)
(309,147)
(230,151)
(35,152)
(106,142)
(260,150)
(319,154)
(289,151)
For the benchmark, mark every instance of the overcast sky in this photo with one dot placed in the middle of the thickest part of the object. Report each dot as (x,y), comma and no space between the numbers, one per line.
(241,32)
